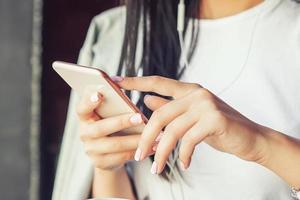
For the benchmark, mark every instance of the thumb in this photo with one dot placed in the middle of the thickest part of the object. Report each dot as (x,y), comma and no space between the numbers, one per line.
(154,102)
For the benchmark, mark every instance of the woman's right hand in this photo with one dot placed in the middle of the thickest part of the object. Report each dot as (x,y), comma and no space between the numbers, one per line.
(107,152)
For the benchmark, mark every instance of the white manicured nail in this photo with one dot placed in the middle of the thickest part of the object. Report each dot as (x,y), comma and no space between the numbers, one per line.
(181,165)
(117,78)
(138,154)
(154,168)
(95,97)
(136,119)
(159,136)
(146,97)
(154,148)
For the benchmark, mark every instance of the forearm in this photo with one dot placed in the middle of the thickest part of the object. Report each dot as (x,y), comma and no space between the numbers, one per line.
(112,184)
(283,156)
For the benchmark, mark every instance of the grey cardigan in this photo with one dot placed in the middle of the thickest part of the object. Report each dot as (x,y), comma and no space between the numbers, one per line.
(101,49)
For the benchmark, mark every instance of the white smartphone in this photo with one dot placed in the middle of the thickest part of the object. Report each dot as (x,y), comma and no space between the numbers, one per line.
(82,78)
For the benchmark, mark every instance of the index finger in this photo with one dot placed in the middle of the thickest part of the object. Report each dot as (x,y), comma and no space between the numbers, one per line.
(157,84)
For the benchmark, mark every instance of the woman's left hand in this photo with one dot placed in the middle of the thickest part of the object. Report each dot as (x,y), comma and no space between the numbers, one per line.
(194,115)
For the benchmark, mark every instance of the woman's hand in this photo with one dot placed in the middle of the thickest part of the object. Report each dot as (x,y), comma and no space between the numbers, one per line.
(106,152)
(194,115)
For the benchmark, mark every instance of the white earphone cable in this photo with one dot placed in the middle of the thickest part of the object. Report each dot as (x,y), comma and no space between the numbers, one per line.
(180,28)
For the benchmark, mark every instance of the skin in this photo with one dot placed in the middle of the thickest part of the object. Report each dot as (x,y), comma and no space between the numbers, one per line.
(194,116)
(214,9)
(107,153)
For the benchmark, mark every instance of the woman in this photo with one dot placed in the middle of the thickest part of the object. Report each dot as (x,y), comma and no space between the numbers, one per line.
(244,53)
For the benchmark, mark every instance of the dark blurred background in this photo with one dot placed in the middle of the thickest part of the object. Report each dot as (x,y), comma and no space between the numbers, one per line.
(63,29)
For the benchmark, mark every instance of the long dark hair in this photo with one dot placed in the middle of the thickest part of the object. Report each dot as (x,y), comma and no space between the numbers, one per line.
(155,23)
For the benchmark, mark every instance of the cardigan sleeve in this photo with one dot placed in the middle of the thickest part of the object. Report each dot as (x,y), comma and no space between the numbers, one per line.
(102,47)
(74,170)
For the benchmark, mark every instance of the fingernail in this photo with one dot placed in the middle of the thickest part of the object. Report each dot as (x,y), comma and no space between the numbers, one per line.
(117,78)
(182,166)
(154,148)
(154,168)
(138,154)
(159,137)
(95,97)
(146,97)
(136,119)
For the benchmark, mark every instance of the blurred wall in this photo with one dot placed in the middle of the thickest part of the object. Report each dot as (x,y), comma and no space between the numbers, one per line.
(65,24)
(15,97)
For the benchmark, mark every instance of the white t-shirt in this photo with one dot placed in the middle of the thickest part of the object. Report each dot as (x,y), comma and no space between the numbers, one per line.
(252,62)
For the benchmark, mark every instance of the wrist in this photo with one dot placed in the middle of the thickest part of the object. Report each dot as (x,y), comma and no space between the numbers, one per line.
(273,141)
(112,183)
(281,155)
(263,146)
(109,172)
